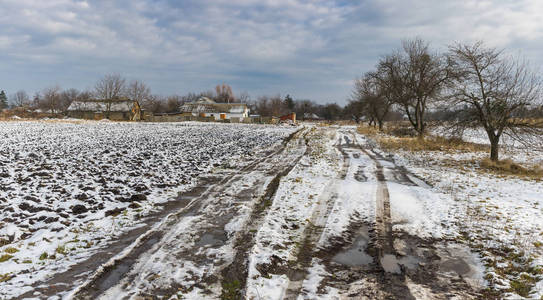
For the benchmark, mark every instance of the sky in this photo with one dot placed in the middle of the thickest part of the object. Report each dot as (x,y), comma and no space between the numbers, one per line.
(308,49)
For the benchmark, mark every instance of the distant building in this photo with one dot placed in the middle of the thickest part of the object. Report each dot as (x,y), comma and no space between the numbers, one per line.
(205,107)
(113,109)
(312,117)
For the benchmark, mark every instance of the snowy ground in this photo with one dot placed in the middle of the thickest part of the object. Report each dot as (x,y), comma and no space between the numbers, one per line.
(324,215)
(501,217)
(327,235)
(68,188)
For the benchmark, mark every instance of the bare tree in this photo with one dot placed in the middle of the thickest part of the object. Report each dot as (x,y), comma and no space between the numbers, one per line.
(224,93)
(498,90)
(374,99)
(244,97)
(173,103)
(67,97)
(137,90)
(354,110)
(20,98)
(414,77)
(51,99)
(111,86)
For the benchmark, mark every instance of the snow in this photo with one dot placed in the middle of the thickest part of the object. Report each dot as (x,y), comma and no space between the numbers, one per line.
(58,179)
(295,201)
(491,212)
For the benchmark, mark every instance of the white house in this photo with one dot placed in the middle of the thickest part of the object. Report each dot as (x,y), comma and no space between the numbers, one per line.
(205,107)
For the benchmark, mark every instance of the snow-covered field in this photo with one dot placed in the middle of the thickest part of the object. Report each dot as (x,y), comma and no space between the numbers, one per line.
(67,188)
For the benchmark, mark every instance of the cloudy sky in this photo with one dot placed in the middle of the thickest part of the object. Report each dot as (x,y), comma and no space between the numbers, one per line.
(309,49)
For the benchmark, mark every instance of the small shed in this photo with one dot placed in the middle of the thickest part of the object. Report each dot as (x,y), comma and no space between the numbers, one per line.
(113,109)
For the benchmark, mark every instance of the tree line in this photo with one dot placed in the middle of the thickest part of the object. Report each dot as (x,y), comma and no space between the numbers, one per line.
(55,100)
(469,85)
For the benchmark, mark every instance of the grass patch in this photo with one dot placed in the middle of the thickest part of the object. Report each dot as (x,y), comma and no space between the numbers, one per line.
(5,277)
(11,250)
(5,257)
(429,143)
(231,290)
(509,167)
(44,256)
(61,249)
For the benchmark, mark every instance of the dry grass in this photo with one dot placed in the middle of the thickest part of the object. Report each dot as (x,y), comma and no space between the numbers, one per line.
(394,138)
(389,140)
(509,167)
(431,143)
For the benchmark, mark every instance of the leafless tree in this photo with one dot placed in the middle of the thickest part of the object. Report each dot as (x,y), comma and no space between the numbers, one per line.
(137,90)
(67,97)
(414,77)
(111,86)
(224,93)
(244,97)
(354,110)
(51,99)
(173,103)
(20,98)
(374,99)
(495,92)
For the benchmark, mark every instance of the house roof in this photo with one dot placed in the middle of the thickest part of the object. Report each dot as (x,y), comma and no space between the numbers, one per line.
(122,105)
(206,105)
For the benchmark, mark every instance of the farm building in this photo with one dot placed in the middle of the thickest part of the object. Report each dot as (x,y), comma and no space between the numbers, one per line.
(113,109)
(205,107)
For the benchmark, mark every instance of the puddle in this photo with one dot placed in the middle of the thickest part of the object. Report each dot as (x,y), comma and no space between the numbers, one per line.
(393,264)
(355,255)
(458,259)
(359,175)
(212,238)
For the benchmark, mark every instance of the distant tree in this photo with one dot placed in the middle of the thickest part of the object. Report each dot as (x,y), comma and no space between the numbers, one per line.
(67,97)
(261,106)
(303,107)
(173,103)
(496,92)
(154,104)
(330,111)
(137,90)
(277,106)
(20,98)
(374,97)
(85,95)
(224,94)
(3,100)
(244,97)
(414,77)
(36,100)
(110,86)
(51,99)
(354,110)
(289,103)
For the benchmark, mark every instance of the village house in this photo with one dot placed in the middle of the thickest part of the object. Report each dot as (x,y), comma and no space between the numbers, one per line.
(114,109)
(205,107)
